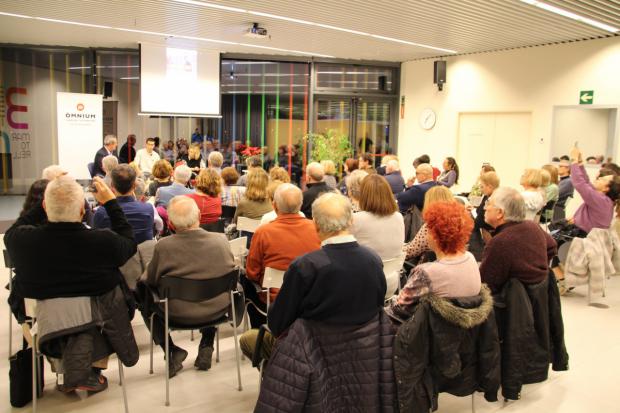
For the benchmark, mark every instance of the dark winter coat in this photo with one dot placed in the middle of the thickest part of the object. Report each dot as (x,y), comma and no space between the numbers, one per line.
(531,330)
(317,367)
(448,345)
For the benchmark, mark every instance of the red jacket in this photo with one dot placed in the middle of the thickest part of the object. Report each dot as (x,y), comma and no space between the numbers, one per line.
(277,244)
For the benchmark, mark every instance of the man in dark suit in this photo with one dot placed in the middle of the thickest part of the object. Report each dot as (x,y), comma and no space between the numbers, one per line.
(109,148)
(315,187)
(414,195)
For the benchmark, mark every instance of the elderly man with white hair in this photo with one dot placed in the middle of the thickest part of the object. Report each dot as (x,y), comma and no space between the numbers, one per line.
(276,245)
(394,177)
(173,258)
(519,248)
(164,194)
(315,187)
(215,160)
(56,256)
(52,171)
(414,195)
(107,164)
(109,148)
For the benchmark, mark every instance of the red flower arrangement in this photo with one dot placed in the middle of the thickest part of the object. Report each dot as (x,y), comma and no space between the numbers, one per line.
(247,151)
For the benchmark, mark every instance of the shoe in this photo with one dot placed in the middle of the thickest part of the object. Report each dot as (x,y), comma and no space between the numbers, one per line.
(203,360)
(94,384)
(64,389)
(176,361)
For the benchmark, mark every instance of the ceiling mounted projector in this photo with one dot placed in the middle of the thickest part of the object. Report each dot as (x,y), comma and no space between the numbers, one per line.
(257,32)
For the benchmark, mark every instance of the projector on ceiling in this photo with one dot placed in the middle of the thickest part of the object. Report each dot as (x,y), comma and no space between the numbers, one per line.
(257,32)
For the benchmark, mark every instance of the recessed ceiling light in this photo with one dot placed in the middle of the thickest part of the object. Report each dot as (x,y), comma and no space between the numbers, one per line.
(571,15)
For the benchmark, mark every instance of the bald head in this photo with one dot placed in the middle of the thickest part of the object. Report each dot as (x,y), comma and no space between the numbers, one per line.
(288,199)
(183,213)
(424,173)
(314,172)
(332,214)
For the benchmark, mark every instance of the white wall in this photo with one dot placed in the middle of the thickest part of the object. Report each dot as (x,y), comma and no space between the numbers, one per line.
(588,126)
(524,80)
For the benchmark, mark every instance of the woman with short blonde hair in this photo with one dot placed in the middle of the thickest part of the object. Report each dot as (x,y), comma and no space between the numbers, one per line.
(207,196)
(330,173)
(550,181)
(354,185)
(532,193)
(255,202)
(277,173)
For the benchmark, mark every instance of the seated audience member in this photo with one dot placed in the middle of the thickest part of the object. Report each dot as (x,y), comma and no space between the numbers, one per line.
(277,173)
(450,174)
(146,157)
(109,148)
(455,274)
(549,174)
(255,202)
(162,176)
(420,244)
(315,187)
(394,177)
(476,189)
(194,160)
(489,182)
(107,164)
(519,247)
(53,171)
(532,194)
(365,162)
(216,159)
(207,196)
(419,161)
(276,245)
(565,189)
(140,216)
(330,174)
(414,195)
(354,187)
(55,256)
(272,215)
(175,256)
(350,165)
(384,161)
(182,175)
(34,197)
(342,283)
(139,192)
(379,226)
(231,192)
(253,162)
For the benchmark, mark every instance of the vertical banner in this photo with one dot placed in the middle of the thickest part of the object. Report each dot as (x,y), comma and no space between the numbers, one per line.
(80,131)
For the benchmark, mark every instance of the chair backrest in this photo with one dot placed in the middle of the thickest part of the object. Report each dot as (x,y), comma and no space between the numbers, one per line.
(247,224)
(237,246)
(273,278)
(228,212)
(8,262)
(91,169)
(177,288)
(217,226)
(391,269)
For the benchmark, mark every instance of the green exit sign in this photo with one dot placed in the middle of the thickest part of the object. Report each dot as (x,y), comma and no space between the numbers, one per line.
(586,97)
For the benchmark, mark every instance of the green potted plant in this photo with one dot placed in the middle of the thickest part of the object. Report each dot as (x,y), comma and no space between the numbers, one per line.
(331,145)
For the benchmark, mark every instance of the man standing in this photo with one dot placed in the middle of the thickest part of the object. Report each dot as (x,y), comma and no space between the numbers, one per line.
(566,190)
(519,248)
(315,187)
(109,148)
(127,153)
(139,215)
(414,195)
(196,137)
(146,157)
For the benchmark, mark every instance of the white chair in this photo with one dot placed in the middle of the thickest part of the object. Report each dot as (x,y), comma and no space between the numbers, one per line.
(247,224)
(271,279)
(391,269)
(239,250)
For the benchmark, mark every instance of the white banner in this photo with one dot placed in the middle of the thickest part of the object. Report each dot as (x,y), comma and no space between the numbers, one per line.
(80,129)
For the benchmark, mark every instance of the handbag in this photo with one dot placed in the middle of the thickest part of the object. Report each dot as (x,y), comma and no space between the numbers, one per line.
(20,377)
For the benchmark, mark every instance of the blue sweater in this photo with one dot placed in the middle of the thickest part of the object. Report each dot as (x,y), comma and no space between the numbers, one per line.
(139,215)
(414,195)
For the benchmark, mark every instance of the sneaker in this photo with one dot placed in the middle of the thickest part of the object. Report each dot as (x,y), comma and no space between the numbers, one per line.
(203,360)
(94,384)
(176,361)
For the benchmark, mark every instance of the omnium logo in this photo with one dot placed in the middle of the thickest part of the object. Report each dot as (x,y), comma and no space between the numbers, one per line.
(80,107)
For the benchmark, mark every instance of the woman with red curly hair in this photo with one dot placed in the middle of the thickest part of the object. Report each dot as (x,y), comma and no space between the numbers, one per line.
(455,273)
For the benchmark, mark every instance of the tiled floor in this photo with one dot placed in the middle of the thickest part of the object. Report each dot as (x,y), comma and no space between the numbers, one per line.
(592,336)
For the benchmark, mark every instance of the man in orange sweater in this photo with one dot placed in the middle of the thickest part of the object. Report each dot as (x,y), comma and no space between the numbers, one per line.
(276,245)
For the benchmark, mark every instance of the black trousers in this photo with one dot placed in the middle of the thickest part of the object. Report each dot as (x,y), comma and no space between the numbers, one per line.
(208,333)
(249,289)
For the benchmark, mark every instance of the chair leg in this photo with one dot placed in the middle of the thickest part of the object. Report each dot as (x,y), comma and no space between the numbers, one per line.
(191,338)
(168,358)
(234,314)
(151,342)
(121,378)
(473,406)
(217,344)
(35,373)
(260,373)
(10,318)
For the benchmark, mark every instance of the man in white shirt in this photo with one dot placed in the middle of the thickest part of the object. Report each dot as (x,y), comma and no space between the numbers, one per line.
(146,158)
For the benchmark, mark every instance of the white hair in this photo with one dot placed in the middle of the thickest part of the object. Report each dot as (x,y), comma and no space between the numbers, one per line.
(183,212)
(332,212)
(288,198)
(182,173)
(391,166)
(354,182)
(316,171)
(108,163)
(215,159)
(511,202)
(64,200)
(109,139)
(52,172)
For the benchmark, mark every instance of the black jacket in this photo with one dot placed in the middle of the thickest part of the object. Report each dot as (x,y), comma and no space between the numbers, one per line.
(448,345)
(66,259)
(317,367)
(127,154)
(529,318)
(311,194)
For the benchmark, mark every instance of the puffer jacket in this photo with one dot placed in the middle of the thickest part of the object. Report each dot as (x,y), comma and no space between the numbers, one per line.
(531,331)
(448,345)
(82,330)
(328,368)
